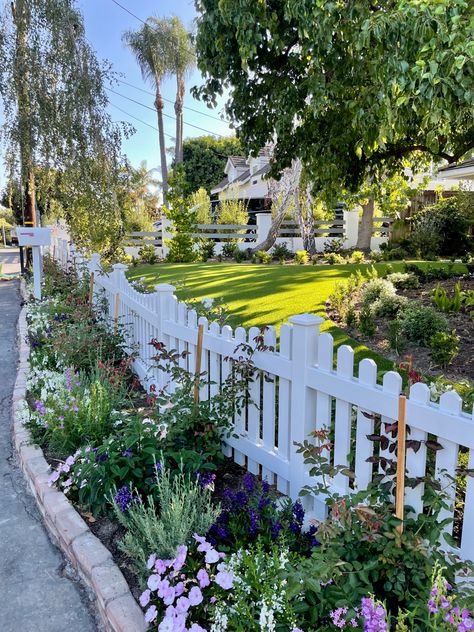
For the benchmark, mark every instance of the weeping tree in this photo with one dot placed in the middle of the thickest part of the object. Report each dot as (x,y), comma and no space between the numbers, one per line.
(60,140)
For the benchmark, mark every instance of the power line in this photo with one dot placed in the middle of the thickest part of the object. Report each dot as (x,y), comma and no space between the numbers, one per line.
(186,107)
(139,120)
(148,107)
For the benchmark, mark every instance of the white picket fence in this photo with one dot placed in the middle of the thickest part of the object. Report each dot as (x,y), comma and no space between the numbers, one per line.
(307,390)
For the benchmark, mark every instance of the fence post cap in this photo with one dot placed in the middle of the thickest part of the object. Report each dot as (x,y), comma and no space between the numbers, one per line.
(164,287)
(306,320)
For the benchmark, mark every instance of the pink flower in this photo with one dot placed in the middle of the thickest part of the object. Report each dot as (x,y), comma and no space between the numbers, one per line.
(145,598)
(195,596)
(53,478)
(196,628)
(169,595)
(180,557)
(150,614)
(203,578)
(151,561)
(179,589)
(203,543)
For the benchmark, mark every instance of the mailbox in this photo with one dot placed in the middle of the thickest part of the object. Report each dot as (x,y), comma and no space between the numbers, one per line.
(33,236)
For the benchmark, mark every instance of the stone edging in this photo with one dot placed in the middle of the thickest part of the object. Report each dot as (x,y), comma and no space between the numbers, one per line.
(117,608)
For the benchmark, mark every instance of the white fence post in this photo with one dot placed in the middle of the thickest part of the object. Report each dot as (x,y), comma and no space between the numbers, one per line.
(351,228)
(264,222)
(304,353)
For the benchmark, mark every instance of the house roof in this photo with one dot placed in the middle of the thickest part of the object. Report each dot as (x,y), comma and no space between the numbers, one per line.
(263,170)
(238,161)
(459,170)
(221,186)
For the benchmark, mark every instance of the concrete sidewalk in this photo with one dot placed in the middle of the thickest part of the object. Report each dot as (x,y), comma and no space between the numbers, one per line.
(38,590)
(10,260)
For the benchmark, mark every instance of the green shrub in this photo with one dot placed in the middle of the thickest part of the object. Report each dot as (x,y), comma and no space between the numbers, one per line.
(240,255)
(185,507)
(206,249)
(444,302)
(420,323)
(228,250)
(315,259)
(350,317)
(376,256)
(357,257)
(396,336)
(367,325)
(403,280)
(147,254)
(333,246)
(388,305)
(263,257)
(444,347)
(301,257)
(441,229)
(281,251)
(333,257)
(375,289)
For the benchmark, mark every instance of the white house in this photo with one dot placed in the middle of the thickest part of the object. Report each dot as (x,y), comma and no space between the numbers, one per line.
(460,171)
(246,180)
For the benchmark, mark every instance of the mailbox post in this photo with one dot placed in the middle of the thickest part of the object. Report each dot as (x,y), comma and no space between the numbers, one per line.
(36,238)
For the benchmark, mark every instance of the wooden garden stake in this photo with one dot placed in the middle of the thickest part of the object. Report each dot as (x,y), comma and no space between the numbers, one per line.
(198,363)
(117,305)
(401,458)
(91,290)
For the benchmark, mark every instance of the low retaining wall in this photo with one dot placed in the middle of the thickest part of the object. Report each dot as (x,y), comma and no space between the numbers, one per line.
(117,608)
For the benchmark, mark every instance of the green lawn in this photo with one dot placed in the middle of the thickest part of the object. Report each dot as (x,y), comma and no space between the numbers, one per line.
(263,294)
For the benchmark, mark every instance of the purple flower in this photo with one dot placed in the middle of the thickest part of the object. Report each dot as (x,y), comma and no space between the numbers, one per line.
(150,614)
(225,579)
(151,561)
(127,453)
(158,467)
(275,529)
(123,498)
(203,578)
(254,523)
(249,482)
(195,595)
(212,556)
(40,408)
(145,598)
(101,458)
(298,512)
(182,605)
(206,479)
(196,628)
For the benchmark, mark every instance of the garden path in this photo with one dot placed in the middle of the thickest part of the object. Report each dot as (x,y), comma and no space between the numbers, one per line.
(38,592)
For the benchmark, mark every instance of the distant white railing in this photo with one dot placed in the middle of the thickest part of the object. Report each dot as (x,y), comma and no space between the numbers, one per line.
(301,389)
(248,235)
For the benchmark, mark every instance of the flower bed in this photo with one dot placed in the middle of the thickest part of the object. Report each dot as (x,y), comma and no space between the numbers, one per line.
(211,547)
(423,314)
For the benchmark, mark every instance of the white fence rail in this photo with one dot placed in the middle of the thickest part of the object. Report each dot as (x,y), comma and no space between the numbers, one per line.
(248,235)
(307,390)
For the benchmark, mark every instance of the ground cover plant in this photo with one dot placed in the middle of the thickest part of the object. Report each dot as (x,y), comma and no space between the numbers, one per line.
(210,551)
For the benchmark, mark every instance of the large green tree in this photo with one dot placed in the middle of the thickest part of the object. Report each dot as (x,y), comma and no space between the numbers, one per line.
(52,88)
(204,159)
(351,88)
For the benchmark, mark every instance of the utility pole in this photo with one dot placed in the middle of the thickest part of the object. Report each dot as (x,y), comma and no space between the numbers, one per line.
(21,19)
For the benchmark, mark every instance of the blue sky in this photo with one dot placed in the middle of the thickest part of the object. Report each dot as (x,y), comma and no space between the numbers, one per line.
(105,22)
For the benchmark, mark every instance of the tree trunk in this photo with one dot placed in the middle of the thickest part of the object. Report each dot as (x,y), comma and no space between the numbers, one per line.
(306,224)
(159,105)
(21,19)
(270,239)
(366,226)
(178,109)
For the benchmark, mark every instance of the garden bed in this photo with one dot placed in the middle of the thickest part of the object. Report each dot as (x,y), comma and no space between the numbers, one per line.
(204,545)
(420,357)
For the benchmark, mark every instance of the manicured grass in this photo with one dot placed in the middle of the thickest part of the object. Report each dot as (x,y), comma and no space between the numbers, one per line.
(264,294)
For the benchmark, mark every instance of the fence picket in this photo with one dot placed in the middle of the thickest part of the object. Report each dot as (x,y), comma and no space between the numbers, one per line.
(364,426)
(268,407)
(239,457)
(284,399)
(342,430)
(416,461)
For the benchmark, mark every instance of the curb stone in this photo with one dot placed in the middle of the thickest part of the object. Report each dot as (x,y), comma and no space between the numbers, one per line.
(118,610)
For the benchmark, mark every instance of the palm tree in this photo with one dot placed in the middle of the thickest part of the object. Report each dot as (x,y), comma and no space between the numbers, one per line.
(150,45)
(182,59)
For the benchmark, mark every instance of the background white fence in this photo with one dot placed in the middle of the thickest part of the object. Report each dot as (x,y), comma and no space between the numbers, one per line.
(248,235)
(309,387)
